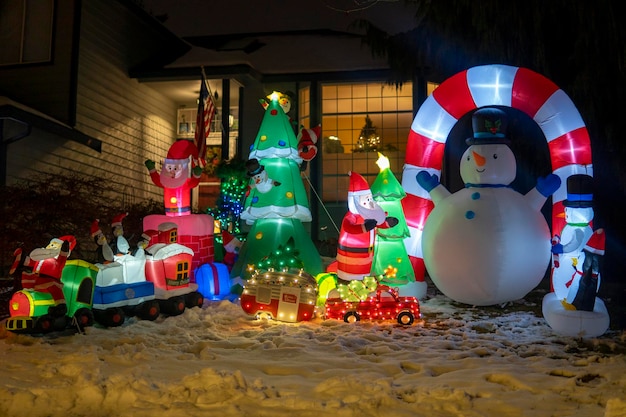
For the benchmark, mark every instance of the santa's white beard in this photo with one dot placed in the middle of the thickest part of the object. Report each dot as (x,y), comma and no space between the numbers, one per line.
(40,254)
(377,213)
(176,182)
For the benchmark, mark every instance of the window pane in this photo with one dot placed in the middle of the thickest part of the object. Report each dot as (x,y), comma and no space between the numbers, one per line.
(344,91)
(11,33)
(405,103)
(344,122)
(359,105)
(329,92)
(359,91)
(374,104)
(344,106)
(330,125)
(329,106)
(390,104)
(26,31)
(38,31)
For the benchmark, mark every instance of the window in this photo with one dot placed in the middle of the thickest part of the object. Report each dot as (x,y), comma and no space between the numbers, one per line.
(26,35)
(182,271)
(264,295)
(358,121)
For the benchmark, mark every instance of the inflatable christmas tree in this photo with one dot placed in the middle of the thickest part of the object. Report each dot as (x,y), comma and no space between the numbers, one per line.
(276,203)
(391,261)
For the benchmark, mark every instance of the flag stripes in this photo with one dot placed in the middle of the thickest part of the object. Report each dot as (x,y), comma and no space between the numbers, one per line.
(204,118)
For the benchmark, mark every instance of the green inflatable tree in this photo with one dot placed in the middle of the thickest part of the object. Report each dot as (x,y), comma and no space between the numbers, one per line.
(277,203)
(391,260)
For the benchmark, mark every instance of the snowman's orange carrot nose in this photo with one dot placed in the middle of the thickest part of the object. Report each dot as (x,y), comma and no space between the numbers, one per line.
(480,160)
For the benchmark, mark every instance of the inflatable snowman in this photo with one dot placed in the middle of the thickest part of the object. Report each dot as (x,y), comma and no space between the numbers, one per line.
(573,309)
(487,244)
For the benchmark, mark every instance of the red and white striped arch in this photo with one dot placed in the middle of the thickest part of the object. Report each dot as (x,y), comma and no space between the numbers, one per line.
(490,85)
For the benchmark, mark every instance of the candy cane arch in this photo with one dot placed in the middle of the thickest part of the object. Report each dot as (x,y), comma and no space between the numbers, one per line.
(490,85)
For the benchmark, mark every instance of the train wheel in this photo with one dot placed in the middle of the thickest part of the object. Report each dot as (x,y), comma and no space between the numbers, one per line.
(116,317)
(149,310)
(44,324)
(194,299)
(84,318)
(405,318)
(111,317)
(351,317)
(173,306)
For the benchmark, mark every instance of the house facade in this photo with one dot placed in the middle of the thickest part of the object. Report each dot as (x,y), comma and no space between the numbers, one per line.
(109,86)
(70,105)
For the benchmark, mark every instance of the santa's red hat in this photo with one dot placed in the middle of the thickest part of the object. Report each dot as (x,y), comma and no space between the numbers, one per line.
(230,242)
(312,134)
(358,185)
(182,149)
(596,242)
(68,238)
(95,228)
(117,220)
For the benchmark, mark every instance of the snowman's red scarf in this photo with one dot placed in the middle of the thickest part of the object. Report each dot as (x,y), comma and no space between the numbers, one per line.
(470,185)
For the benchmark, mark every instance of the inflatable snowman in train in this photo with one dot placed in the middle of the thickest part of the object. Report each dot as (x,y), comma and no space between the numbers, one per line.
(487,244)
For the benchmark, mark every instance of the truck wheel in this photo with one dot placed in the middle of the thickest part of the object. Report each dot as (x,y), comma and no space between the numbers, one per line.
(405,318)
(351,317)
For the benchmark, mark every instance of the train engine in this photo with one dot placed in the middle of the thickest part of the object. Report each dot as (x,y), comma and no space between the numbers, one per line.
(33,311)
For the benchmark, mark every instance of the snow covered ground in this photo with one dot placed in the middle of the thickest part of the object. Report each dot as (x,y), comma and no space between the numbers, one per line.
(216,360)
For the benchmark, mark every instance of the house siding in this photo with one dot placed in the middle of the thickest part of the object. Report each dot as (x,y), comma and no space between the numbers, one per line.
(133,121)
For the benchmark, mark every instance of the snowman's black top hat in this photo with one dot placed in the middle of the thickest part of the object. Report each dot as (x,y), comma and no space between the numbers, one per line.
(579,191)
(253,167)
(489,125)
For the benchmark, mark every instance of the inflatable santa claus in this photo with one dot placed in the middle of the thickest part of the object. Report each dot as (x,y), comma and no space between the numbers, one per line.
(355,250)
(179,175)
(45,266)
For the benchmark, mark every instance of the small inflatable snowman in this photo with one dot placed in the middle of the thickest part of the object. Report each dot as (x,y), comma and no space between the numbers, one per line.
(573,309)
(487,244)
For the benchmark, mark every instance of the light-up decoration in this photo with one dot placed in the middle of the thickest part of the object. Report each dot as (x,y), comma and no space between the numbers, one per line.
(358,230)
(487,244)
(573,309)
(279,288)
(368,140)
(307,142)
(382,162)
(326,282)
(179,175)
(499,85)
(229,205)
(391,260)
(213,280)
(383,303)
(280,295)
(276,213)
(285,257)
(357,290)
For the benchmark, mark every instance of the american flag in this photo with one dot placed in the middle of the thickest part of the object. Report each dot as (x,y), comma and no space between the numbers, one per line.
(206,112)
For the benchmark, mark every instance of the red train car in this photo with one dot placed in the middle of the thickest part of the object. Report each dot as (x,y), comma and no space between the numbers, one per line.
(169,269)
